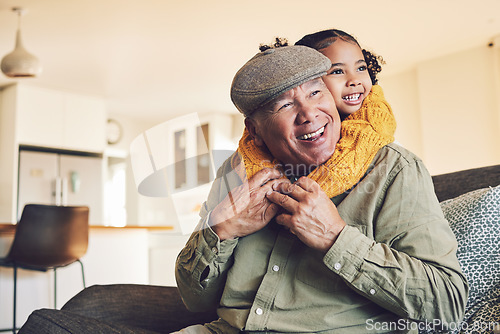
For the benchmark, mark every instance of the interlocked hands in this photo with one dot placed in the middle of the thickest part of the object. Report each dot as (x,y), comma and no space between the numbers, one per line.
(302,207)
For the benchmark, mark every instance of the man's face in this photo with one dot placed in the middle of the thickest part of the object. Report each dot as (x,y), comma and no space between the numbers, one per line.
(300,127)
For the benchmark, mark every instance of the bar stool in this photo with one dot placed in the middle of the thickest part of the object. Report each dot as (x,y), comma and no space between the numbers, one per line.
(47,237)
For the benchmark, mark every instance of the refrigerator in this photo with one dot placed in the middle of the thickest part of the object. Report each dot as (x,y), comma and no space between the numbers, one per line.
(61,179)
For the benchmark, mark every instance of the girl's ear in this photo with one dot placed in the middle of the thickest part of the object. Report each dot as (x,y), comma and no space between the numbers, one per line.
(253,130)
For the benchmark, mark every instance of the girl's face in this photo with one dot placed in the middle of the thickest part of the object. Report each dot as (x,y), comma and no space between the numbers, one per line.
(348,80)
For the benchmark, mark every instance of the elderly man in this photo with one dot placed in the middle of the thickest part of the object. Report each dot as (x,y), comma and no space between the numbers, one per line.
(293,240)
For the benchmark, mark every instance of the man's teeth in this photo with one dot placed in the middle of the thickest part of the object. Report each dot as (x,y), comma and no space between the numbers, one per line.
(310,135)
(352,97)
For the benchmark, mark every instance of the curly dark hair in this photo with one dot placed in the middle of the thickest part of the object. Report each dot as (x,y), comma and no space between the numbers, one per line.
(325,38)
(278,42)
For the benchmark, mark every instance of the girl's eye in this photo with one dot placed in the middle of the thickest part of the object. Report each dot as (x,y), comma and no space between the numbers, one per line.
(362,68)
(337,71)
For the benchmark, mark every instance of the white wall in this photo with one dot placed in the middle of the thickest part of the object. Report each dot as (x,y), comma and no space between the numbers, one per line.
(401,92)
(132,127)
(8,156)
(458,103)
(448,109)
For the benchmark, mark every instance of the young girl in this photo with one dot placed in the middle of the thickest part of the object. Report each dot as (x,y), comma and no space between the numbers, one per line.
(354,70)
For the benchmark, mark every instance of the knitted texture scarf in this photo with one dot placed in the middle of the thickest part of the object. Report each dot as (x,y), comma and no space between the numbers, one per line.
(363,133)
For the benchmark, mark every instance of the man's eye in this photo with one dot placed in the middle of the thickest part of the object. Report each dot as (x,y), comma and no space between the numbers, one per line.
(316,92)
(286,105)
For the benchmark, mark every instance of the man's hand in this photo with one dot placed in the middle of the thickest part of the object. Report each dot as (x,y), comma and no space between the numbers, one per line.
(246,209)
(310,215)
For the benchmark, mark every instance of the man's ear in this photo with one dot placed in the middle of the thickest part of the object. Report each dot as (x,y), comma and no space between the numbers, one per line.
(252,128)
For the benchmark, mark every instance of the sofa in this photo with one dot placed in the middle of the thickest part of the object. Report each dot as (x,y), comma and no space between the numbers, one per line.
(470,200)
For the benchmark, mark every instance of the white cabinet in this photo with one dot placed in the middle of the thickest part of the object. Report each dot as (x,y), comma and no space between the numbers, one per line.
(176,161)
(42,117)
(195,144)
(57,119)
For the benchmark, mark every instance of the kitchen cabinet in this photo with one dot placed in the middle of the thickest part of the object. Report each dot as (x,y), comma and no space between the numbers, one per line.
(40,116)
(37,117)
(176,162)
(60,120)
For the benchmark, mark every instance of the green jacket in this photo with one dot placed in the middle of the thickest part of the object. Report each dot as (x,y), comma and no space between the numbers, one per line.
(393,264)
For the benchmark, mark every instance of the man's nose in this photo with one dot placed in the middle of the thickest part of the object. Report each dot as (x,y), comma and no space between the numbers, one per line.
(308,112)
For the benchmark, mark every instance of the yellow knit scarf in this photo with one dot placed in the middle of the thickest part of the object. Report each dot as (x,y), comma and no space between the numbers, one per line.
(363,133)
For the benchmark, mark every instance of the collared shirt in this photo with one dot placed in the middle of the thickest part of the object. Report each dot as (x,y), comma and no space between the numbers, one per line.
(392,268)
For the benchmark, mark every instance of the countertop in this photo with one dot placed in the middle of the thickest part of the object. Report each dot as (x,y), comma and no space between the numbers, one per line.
(7,228)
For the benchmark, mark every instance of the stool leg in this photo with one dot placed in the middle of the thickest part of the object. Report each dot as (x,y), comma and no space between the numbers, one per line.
(15,298)
(55,289)
(83,274)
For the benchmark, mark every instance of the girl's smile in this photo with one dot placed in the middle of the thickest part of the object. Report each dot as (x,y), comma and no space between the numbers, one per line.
(348,80)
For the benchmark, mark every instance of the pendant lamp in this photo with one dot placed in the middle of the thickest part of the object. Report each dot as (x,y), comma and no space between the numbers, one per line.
(20,63)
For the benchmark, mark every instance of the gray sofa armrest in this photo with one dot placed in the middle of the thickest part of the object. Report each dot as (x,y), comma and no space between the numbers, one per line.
(454,184)
(141,308)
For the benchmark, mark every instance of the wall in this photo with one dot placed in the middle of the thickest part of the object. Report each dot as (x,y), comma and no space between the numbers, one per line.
(402,93)
(8,157)
(459,109)
(448,110)
(131,128)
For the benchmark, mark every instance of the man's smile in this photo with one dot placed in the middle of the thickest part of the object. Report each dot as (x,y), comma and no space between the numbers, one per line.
(313,135)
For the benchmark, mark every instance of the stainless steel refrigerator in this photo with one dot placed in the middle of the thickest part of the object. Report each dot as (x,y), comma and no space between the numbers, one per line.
(61,179)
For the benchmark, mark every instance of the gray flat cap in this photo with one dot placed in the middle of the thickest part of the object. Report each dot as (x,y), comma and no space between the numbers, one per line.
(273,72)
